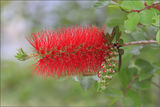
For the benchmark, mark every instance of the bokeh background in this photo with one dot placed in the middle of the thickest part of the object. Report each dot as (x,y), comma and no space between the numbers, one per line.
(20,18)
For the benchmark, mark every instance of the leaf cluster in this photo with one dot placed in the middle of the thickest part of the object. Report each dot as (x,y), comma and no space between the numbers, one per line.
(21,55)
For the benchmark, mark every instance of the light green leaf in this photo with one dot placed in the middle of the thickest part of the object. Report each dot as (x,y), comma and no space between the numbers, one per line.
(132,5)
(156,20)
(113,101)
(158,36)
(149,2)
(146,17)
(156,17)
(132,21)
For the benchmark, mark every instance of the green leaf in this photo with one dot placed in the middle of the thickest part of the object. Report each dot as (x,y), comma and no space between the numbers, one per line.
(132,5)
(146,69)
(114,100)
(21,55)
(149,2)
(113,92)
(144,84)
(132,21)
(156,20)
(116,33)
(132,99)
(121,42)
(124,77)
(157,67)
(115,21)
(146,17)
(158,36)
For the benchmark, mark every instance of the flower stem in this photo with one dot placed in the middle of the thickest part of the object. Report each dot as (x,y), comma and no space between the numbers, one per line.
(143,42)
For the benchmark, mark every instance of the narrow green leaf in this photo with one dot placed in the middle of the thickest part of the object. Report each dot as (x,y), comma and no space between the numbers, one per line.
(113,33)
(21,55)
(121,42)
(132,21)
(114,101)
(116,33)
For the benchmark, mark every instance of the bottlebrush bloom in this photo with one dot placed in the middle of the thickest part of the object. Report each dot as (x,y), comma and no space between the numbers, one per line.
(70,51)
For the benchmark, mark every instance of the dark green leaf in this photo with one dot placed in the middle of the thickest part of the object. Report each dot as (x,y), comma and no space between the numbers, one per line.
(113,92)
(116,33)
(132,99)
(146,69)
(121,42)
(144,84)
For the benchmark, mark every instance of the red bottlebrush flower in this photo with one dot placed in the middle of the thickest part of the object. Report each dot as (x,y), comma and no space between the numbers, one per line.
(70,51)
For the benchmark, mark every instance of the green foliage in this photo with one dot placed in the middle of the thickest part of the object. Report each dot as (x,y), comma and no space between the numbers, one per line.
(146,69)
(143,84)
(21,55)
(132,98)
(132,5)
(158,36)
(19,88)
(146,17)
(132,21)
(156,18)
(149,2)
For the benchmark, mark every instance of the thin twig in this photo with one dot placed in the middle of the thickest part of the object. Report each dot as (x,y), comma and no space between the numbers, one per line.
(143,42)
(155,84)
(130,84)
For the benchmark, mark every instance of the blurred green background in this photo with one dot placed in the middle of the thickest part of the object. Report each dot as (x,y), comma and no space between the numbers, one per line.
(18,88)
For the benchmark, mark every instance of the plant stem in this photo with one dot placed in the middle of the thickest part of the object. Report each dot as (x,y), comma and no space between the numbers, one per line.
(143,42)
(130,84)
(156,84)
